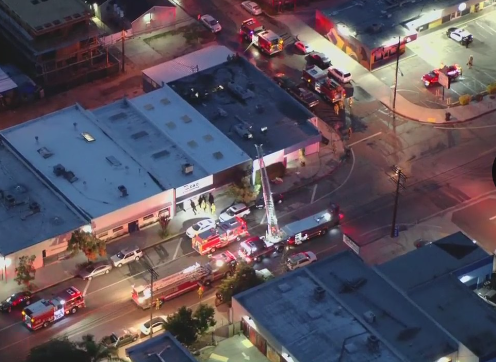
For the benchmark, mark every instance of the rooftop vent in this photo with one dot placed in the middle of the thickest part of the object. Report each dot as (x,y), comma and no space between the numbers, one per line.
(45,152)
(123,190)
(139,135)
(319,293)
(187,169)
(59,170)
(239,92)
(10,200)
(88,137)
(243,131)
(372,343)
(113,161)
(118,116)
(34,207)
(160,154)
(208,138)
(148,107)
(369,316)
(192,144)
(218,155)
(170,125)
(186,119)
(70,176)
(164,101)
(284,287)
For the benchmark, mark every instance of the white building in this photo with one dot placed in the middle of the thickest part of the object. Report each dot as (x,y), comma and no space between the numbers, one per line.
(33,219)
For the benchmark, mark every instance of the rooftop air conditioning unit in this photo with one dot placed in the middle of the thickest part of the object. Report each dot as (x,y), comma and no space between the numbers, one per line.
(34,207)
(187,169)
(319,293)
(243,131)
(59,170)
(123,190)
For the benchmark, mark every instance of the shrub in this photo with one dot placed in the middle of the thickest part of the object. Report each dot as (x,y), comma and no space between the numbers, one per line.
(465,99)
(491,88)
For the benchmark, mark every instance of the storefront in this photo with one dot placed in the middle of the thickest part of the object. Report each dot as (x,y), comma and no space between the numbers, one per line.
(260,342)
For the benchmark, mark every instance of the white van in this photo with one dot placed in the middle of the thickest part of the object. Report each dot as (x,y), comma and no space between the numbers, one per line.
(340,75)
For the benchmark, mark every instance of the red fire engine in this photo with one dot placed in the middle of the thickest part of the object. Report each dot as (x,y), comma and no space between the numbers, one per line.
(224,234)
(317,80)
(44,312)
(219,266)
(266,40)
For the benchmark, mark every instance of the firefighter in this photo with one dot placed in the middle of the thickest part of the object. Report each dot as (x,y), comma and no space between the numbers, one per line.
(470,62)
(193,206)
(201,289)
(350,132)
(157,304)
(211,198)
(212,208)
(336,109)
(203,205)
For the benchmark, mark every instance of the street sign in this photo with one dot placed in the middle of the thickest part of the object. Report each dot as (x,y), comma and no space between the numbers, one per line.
(351,244)
(444,80)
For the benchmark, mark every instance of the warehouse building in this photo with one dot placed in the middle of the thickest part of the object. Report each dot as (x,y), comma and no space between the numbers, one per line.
(370,32)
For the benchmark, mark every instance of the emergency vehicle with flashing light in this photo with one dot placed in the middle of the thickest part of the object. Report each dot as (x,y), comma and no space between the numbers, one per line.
(266,40)
(224,234)
(45,312)
(257,248)
(317,80)
(452,71)
(219,266)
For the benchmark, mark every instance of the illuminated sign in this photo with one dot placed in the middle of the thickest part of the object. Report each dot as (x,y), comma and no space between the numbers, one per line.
(194,186)
(462,7)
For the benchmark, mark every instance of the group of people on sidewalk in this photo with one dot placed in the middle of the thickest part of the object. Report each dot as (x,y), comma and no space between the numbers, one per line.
(206,203)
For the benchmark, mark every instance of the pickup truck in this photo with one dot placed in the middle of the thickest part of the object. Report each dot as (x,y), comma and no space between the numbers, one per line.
(124,337)
(255,249)
(303,95)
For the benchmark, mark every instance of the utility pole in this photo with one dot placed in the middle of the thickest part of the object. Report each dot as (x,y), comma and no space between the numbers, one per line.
(123,38)
(400,179)
(153,277)
(396,75)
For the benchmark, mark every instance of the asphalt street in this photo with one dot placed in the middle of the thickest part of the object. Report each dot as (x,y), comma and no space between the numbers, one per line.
(432,49)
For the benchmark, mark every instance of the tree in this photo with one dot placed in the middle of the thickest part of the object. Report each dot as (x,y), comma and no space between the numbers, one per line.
(25,271)
(205,318)
(244,191)
(87,243)
(97,351)
(243,279)
(57,350)
(183,326)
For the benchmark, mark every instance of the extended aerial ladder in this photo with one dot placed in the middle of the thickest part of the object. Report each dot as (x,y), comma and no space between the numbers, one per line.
(273,234)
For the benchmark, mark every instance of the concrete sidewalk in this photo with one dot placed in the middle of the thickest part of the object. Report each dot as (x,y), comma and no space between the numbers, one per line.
(369,83)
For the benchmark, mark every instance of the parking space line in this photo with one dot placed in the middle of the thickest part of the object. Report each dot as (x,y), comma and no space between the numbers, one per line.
(177,248)
(313,193)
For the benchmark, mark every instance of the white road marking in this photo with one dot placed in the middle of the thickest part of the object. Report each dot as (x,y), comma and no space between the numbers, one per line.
(492,218)
(325,250)
(364,139)
(263,219)
(86,288)
(177,248)
(313,193)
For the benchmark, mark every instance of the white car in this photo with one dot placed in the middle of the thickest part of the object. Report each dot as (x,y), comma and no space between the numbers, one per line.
(239,210)
(157,324)
(303,47)
(300,260)
(460,35)
(126,256)
(251,7)
(341,75)
(211,23)
(199,227)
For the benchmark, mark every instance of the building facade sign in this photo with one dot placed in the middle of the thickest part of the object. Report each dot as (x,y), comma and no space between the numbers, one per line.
(194,186)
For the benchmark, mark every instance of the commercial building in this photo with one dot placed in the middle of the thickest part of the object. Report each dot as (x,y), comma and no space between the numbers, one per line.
(55,41)
(33,219)
(162,348)
(338,309)
(370,31)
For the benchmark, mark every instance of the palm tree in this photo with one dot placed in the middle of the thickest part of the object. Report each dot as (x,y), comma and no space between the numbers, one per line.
(97,351)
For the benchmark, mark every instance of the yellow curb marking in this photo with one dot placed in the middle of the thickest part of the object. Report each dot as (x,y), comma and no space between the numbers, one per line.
(218,357)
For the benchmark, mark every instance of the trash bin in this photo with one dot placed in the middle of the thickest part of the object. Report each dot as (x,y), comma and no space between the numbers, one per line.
(447,116)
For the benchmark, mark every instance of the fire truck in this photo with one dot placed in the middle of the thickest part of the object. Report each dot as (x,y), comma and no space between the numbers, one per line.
(266,40)
(45,312)
(219,266)
(257,248)
(312,226)
(318,80)
(225,233)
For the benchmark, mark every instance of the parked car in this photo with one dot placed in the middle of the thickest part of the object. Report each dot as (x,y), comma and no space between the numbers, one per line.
(284,81)
(126,256)
(251,7)
(460,35)
(200,227)
(341,75)
(277,198)
(16,300)
(320,60)
(432,78)
(211,23)
(299,260)
(95,269)
(122,338)
(239,210)
(303,47)
(305,96)
(155,325)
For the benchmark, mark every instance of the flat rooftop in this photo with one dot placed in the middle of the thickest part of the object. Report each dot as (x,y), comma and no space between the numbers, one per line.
(6,83)
(310,330)
(398,322)
(95,166)
(447,255)
(163,132)
(20,226)
(249,99)
(461,312)
(188,64)
(160,349)
(47,14)
(387,17)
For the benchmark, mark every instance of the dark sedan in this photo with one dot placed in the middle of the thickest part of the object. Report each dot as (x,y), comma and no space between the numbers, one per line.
(16,300)
(277,198)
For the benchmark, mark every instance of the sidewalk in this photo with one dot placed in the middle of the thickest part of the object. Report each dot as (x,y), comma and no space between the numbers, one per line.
(383,93)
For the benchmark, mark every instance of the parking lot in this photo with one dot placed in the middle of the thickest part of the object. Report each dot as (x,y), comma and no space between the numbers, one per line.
(429,51)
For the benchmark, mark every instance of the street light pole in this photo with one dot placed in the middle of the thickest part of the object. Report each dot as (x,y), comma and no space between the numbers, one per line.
(396,74)
(400,183)
(153,276)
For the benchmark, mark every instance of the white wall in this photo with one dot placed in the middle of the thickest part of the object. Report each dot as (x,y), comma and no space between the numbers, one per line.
(146,212)
(269,160)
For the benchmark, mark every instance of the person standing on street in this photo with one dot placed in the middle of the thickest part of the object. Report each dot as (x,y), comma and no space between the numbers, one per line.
(212,208)
(203,205)
(211,198)
(200,200)
(470,62)
(193,206)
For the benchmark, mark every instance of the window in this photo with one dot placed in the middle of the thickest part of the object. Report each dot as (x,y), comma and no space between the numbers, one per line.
(103,235)
(118,229)
(148,217)
(164,212)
